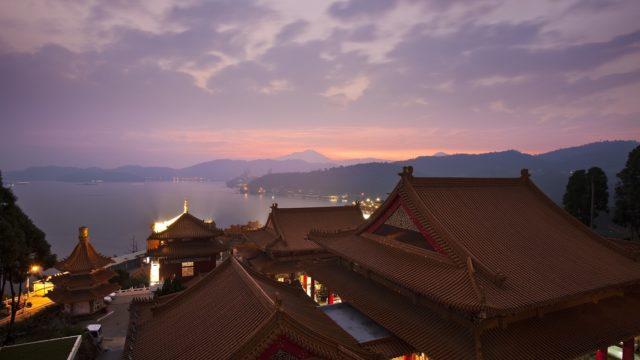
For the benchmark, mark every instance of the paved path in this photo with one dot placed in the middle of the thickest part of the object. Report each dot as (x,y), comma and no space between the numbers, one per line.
(114,327)
(39,303)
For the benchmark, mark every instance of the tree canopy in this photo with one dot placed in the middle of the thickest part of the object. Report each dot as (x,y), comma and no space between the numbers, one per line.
(586,191)
(22,244)
(627,195)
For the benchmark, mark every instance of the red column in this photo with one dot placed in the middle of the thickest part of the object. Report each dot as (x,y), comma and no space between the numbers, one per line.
(601,354)
(313,289)
(330,299)
(627,349)
(304,283)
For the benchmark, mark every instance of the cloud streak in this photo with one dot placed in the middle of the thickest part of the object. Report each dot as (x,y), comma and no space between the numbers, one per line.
(92,83)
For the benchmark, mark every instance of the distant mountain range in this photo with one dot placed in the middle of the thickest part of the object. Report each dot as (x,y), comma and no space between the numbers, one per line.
(310,172)
(312,156)
(215,170)
(550,170)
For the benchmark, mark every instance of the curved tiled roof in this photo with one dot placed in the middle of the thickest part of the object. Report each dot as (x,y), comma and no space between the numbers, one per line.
(287,228)
(180,249)
(509,247)
(564,334)
(235,313)
(83,280)
(83,258)
(63,295)
(187,226)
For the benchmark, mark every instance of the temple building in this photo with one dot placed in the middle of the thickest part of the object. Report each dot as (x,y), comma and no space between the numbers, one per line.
(280,247)
(236,313)
(183,247)
(84,282)
(490,268)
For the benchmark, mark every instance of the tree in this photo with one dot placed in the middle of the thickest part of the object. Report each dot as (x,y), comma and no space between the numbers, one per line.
(22,244)
(170,286)
(627,194)
(587,195)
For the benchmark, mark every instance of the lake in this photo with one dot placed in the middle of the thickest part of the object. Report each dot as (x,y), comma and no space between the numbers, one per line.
(116,212)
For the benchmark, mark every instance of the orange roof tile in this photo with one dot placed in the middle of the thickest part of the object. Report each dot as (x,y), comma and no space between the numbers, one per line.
(287,228)
(64,295)
(83,280)
(187,226)
(84,256)
(444,334)
(181,249)
(235,313)
(501,246)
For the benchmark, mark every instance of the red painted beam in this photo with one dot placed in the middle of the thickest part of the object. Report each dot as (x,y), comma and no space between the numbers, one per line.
(601,354)
(628,346)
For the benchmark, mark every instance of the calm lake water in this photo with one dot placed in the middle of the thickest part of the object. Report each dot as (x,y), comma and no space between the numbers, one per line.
(116,212)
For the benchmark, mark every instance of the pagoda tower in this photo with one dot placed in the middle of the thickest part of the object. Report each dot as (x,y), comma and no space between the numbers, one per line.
(84,282)
(183,247)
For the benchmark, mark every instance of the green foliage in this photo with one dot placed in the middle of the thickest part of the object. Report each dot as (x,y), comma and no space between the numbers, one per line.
(627,195)
(126,281)
(170,286)
(22,244)
(584,187)
(45,324)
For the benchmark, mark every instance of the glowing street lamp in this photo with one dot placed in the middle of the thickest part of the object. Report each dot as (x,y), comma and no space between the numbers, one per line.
(33,269)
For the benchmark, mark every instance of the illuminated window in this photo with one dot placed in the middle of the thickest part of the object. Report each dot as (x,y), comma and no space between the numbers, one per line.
(154,276)
(187,269)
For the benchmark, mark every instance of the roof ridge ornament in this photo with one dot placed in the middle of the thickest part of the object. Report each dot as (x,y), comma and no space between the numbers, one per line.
(479,290)
(83,234)
(524,174)
(274,205)
(407,172)
(277,301)
(185,206)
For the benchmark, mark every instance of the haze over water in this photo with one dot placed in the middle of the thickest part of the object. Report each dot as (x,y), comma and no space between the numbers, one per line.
(115,212)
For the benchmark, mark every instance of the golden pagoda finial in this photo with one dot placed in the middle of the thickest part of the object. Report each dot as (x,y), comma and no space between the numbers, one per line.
(83,233)
(186,206)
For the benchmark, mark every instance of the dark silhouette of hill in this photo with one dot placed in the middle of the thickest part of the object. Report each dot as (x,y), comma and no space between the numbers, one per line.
(550,170)
(216,170)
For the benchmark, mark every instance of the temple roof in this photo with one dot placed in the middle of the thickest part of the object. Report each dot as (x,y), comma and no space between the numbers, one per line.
(83,258)
(234,312)
(496,246)
(186,226)
(83,280)
(183,249)
(287,228)
(563,334)
(63,295)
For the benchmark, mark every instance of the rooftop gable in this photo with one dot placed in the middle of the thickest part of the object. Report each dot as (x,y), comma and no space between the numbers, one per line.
(186,226)
(287,228)
(234,312)
(516,248)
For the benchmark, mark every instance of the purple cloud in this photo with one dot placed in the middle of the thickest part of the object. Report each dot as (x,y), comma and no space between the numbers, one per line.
(174,84)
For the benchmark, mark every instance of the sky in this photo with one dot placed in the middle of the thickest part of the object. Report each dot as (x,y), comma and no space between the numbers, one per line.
(173,83)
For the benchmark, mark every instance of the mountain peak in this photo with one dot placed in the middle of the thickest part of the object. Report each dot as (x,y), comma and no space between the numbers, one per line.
(308,155)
